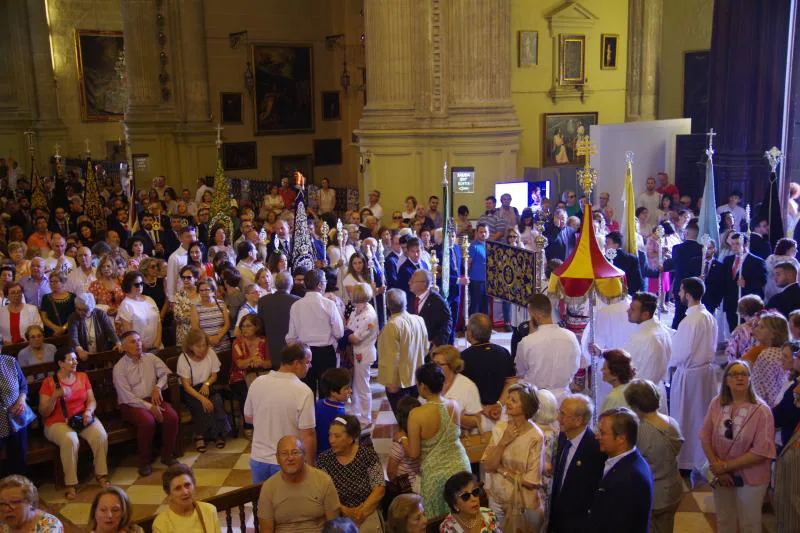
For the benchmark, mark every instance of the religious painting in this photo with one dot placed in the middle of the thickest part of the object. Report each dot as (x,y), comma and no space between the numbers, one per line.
(571,59)
(509,272)
(116,151)
(331,106)
(283,166)
(284,97)
(231,108)
(608,51)
(528,49)
(240,156)
(562,131)
(100,56)
(327,152)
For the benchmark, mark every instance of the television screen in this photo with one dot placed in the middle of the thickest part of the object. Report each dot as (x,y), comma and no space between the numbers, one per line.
(519,191)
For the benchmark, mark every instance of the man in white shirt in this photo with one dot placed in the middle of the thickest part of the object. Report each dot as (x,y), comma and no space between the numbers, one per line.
(280,404)
(734,208)
(374,206)
(58,261)
(327,197)
(402,346)
(694,383)
(178,260)
(315,320)
(650,346)
(201,190)
(651,200)
(81,277)
(550,356)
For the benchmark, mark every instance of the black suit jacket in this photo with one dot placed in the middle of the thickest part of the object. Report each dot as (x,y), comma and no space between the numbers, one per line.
(436,314)
(686,262)
(560,242)
(787,300)
(630,265)
(760,246)
(623,498)
(390,267)
(273,310)
(149,244)
(569,509)
(754,272)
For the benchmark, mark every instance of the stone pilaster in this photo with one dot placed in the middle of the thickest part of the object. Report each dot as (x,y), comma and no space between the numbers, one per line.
(194,65)
(644,48)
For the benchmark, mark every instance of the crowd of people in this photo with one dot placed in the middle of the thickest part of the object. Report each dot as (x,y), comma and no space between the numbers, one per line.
(303,342)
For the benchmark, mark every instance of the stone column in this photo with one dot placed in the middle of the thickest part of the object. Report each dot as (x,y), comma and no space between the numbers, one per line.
(142,60)
(390,62)
(644,48)
(193,61)
(46,94)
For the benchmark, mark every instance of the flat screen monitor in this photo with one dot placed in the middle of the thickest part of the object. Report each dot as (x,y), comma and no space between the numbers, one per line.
(519,191)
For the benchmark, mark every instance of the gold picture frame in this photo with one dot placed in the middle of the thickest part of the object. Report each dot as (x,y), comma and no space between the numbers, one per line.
(98,56)
(527,48)
(609,51)
(571,59)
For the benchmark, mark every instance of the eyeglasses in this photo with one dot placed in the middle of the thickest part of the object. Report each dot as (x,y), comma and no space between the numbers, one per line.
(729,429)
(296,454)
(476,493)
(11,504)
(138,284)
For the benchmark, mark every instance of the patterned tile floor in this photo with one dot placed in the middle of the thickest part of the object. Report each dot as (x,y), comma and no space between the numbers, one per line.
(220,471)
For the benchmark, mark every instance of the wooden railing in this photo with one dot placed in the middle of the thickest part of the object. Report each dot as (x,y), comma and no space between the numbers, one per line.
(227,503)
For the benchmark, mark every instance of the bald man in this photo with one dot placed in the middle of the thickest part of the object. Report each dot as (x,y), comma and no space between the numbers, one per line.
(433,309)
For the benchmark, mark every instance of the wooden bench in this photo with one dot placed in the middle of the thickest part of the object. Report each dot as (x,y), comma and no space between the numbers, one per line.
(226,503)
(13,349)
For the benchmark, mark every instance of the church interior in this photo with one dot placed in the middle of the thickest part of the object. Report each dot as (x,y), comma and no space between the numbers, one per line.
(380,95)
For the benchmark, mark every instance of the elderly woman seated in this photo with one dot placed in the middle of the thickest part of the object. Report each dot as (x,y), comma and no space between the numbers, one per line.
(90,329)
(356,472)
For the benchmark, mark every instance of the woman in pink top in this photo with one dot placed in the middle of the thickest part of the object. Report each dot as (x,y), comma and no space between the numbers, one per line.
(738,439)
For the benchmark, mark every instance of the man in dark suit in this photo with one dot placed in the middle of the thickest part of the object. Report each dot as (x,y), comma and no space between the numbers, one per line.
(120,225)
(433,309)
(412,263)
(788,299)
(686,262)
(153,239)
(392,259)
(560,237)
(740,270)
(626,262)
(578,467)
(759,239)
(454,289)
(60,224)
(273,310)
(624,495)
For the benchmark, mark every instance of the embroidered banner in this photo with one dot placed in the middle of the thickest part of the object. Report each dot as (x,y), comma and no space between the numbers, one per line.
(509,273)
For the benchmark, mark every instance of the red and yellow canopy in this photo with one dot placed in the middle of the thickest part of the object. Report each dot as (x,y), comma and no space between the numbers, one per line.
(587,267)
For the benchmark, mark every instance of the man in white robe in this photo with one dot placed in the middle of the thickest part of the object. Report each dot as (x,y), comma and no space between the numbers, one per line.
(651,345)
(694,383)
(612,330)
(550,356)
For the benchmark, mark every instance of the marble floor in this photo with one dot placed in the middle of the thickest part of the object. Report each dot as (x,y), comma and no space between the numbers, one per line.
(219,471)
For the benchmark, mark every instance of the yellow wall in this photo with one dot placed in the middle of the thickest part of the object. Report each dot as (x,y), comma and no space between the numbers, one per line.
(530,85)
(687,28)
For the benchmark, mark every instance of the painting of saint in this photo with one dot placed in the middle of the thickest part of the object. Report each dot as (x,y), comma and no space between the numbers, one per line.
(284,101)
(100,56)
(562,133)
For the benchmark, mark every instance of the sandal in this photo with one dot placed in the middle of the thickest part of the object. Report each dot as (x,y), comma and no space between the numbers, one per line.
(71,492)
(200,445)
(220,443)
(103,481)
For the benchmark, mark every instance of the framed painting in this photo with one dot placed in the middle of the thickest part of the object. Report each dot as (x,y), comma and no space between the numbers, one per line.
(327,152)
(572,59)
(284,97)
(608,51)
(283,166)
(231,108)
(331,105)
(562,131)
(240,156)
(100,55)
(528,49)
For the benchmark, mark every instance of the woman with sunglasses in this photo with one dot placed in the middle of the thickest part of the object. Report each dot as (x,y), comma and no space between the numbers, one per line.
(139,312)
(463,493)
(738,439)
(184,301)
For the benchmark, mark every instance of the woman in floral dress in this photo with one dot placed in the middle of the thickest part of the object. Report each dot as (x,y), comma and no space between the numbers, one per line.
(184,301)
(106,289)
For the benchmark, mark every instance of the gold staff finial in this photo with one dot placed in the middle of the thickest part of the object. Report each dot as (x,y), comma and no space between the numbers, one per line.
(586,148)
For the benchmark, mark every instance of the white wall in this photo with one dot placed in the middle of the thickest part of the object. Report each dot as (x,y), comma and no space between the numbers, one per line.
(653,145)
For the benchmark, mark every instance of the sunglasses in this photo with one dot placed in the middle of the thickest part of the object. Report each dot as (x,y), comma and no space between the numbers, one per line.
(476,493)
(728,429)
(138,284)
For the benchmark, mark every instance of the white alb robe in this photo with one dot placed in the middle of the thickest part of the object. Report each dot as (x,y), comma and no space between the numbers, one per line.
(651,349)
(612,330)
(549,358)
(694,383)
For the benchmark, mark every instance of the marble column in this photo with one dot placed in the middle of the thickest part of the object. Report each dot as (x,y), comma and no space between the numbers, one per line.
(644,49)
(142,60)
(46,94)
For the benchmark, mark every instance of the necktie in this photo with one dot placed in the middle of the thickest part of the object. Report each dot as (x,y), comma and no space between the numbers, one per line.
(736,264)
(562,464)
(416,305)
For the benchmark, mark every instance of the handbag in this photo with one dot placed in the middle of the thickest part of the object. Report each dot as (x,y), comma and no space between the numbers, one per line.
(76,421)
(21,421)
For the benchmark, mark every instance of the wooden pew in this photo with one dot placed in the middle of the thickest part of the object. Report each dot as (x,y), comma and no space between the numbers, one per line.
(13,349)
